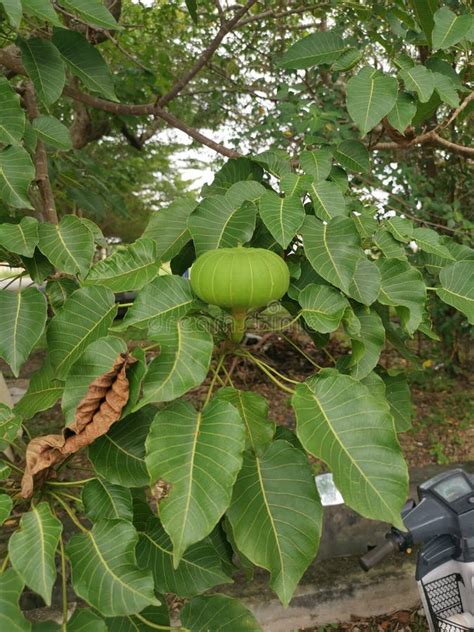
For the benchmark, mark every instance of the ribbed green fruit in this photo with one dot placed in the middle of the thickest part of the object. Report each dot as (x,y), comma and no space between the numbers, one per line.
(239,279)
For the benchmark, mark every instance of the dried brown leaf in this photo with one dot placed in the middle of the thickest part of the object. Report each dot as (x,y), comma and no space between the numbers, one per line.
(101,407)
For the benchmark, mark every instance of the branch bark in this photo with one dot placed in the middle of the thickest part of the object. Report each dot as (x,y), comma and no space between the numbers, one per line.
(41,161)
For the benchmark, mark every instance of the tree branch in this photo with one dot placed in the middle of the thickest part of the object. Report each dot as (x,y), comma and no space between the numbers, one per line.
(271,13)
(41,161)
(430,138)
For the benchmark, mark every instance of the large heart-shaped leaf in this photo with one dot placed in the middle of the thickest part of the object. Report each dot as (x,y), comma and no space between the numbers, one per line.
(97,359)
(367,346)
(353,155)
(119,456)
(282,216)
(93,12)
(317,163)
(449,28)
(12,124)
(244,191)
(365,284)
(23,317)
(218,613)
(199,454)
(276,515)
(104,570)
(428,241)
(85,62)
(424,12)
(328,200)
(155,616)
(42,10)
(217,223)
(398,396)
(234,170)
(161,302)
(16,173)
(86,316)
(446,89)
(332,249)
(13,9)
(318,48)
(200,567)
(69,245)
(419,79)
(183,363)
(32,549)
(457,289)
(323,307)
(104,500)
(370,96)
(403,287)
(403,112)
(43,392)
(168,227)
(45,68)
(21,238)
(128,269)
(58,290)
(253,409)
(11,617)
(340,421)
(52,132)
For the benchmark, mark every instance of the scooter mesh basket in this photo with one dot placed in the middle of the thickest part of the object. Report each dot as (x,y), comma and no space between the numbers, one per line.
(444,600)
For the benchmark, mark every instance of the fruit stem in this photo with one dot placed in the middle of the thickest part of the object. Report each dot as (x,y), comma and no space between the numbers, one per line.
(239,316)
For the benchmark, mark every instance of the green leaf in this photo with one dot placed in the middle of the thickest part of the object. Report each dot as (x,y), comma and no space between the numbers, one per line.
(183,363)
(223,613)
(370,96)
(97,359)
(398,396)
(104,570)
(365,284)
(446,89)
(276,515)
(14,11)
(401,228)
(424,12)
(168,227)
(161,302)
(428,241)
(85,62)
(69,245)
(43,392)
(11,617)
(6,505)
(93,12)
(449,28)
(32,549)
(419,79)
(199,454)
(52,132)
(12,123)
(86,316)
(199,569)
(319,48)
(10,425)
(276,161)
(5,472)
(127,269)
(253,410)
(16,174)
(340,421)
(402,287)
(191,5)
(38,267)
(348,59)
(217,223)
(58,290)
(245,191)
(328,200)
(21,238)
(317,163)
(367,347)
(295,184)
(234,170)
(390,247)
(155,615)
(135,375)
(23,317)
(332,249)
(323,307)
(119,456)
(402,113)
(457,289)
(282,216)
(45,68)
(104,500)
(42,10)
(353,155)
(85,620)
